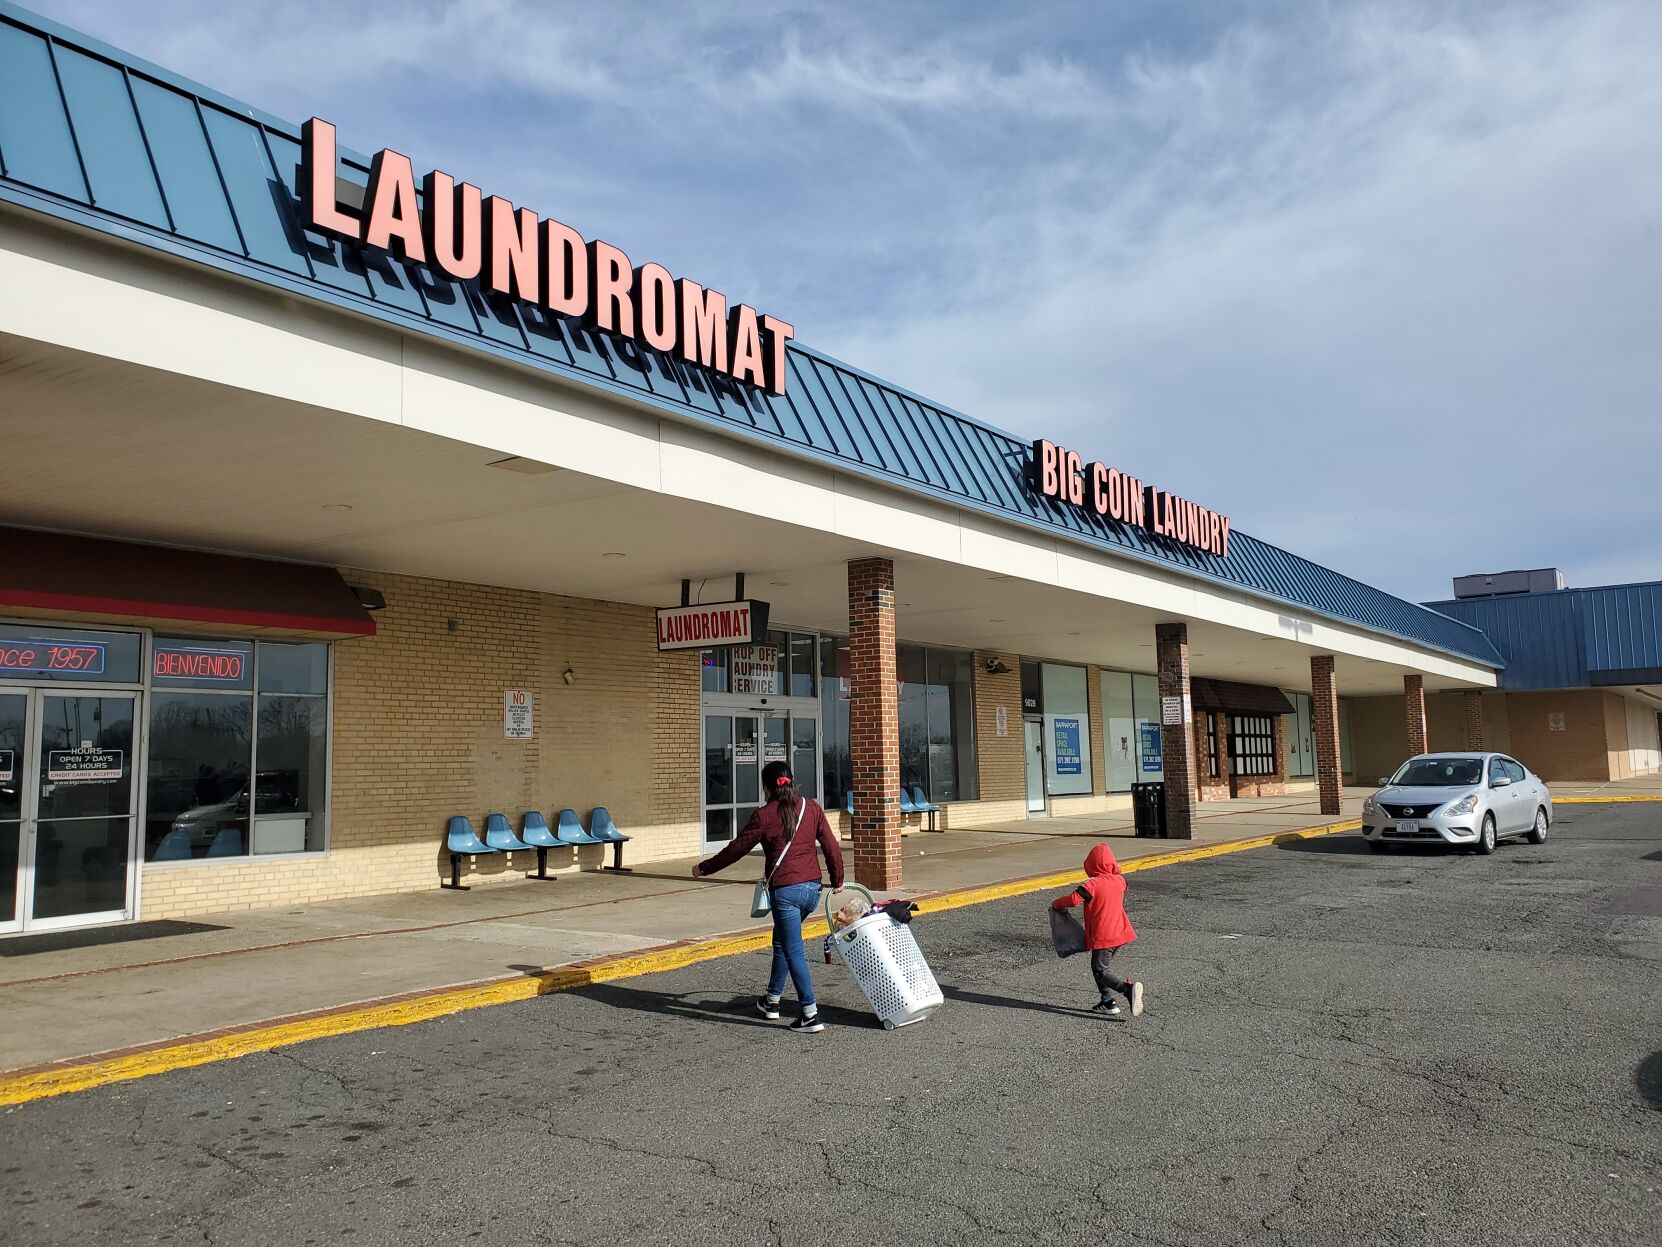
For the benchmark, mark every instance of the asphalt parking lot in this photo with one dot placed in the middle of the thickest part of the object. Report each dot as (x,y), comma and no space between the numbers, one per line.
(1341,1047)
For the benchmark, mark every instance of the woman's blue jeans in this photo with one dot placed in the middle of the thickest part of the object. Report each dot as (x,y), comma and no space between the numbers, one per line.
(790,906)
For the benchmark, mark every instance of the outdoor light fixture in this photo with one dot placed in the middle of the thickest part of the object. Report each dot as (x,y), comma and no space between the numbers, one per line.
(569,676)
(370,599)
(996,666)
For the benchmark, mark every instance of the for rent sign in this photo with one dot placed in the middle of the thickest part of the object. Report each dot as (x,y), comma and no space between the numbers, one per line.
(720,623)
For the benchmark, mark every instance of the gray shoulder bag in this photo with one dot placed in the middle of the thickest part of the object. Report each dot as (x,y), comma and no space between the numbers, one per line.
(761,903)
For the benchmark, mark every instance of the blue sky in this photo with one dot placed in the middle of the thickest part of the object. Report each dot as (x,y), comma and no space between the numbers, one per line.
(1383,282)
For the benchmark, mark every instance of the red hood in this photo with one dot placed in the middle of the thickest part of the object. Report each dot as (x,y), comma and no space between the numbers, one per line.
(1100,861)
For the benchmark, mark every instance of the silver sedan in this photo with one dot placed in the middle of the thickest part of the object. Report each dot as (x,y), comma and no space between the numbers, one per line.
(1467,799)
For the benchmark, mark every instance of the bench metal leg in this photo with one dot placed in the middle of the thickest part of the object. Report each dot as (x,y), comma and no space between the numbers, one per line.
(455,874)
(617,859)
(542,866)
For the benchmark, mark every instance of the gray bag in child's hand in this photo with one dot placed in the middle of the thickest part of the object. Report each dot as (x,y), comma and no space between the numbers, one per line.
(1067,933)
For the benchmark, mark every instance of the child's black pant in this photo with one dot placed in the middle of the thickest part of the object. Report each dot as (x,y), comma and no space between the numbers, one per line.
(1106,981)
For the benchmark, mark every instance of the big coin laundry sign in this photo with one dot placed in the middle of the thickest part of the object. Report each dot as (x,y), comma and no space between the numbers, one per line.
(1059,473)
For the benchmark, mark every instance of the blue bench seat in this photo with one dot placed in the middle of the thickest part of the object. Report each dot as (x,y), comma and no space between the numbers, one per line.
(461,841)
(536,835)
(605,831)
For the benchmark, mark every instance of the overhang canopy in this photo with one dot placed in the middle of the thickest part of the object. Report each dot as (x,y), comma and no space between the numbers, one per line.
(1228,697)
(58,576)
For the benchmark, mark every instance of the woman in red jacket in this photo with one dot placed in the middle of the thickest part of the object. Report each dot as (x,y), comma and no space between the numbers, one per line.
(788,827)
(1107,929)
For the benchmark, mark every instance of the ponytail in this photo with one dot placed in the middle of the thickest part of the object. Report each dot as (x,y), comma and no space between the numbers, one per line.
(790,809)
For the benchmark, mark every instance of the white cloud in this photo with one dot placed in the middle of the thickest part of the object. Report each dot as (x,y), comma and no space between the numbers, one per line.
(1379,279)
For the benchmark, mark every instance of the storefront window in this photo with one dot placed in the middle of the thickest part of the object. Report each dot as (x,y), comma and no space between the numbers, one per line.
(1067,725)
(833,719)
(198,778)
(212,732)
(1131,729)
(937,721)
(783,666)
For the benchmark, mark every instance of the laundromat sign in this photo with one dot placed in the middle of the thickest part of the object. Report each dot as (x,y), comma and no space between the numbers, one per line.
(1059,473)
(720,623)
(468,236)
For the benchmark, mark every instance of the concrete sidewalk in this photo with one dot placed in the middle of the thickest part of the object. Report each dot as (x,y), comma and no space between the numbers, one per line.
(69,996)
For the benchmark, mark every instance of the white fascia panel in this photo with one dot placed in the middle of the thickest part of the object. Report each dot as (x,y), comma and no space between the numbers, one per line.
(888,519)
(449,395)
(1003,550)
(160,314)
(122,304)
(706,468)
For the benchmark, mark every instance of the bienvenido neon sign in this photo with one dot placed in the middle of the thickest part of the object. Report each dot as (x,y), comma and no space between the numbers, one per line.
(468,236)
(1059,473)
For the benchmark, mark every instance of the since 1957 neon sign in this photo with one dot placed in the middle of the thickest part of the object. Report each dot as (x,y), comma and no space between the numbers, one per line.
(468,236)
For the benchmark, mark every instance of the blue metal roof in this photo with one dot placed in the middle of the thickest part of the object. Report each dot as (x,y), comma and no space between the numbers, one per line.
(91,135)
(1571,638)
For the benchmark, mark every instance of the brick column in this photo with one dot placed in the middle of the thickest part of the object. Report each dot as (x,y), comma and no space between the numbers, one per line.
(1324,723)
(1176,740)
(874,723)
(1474,719)
(1413,706)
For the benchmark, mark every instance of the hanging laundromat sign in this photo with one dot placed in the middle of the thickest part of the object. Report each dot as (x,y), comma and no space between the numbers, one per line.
(1059,473)
(468,236)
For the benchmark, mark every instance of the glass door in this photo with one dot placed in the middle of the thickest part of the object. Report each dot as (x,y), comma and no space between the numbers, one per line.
(79,811)
(732,774)
(1034,731)
(14,726)
(738,745)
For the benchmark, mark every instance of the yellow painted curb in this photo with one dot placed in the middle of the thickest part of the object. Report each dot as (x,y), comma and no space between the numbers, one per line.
(82,1076)
(1604,800)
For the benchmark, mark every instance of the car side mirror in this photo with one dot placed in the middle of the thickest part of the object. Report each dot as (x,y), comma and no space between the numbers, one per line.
(1500,781)
(1384,781)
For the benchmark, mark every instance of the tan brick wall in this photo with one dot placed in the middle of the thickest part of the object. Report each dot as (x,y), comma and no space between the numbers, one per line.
(1378,737)
(1578,752)
(1001,762)
(418,736)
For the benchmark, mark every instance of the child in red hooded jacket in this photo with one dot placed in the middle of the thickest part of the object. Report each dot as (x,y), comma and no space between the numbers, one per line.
(1107,929)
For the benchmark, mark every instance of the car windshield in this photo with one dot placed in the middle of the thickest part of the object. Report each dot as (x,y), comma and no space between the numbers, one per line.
(1439,773)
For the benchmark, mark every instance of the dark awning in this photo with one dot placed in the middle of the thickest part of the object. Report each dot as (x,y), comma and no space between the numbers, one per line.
(87,579)
(1228,697)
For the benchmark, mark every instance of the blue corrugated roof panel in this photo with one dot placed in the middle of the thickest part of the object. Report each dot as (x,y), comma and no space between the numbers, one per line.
(92,135)
(1571,638)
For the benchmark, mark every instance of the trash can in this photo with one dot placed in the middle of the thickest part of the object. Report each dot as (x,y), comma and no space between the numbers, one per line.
(1148,809)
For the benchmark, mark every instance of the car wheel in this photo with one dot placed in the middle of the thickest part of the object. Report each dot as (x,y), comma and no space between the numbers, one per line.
(1486,838)
(1538,833)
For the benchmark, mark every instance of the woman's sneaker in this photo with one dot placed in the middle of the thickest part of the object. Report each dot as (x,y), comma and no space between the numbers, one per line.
(768,1008)
(808,1024)
(1136,1000)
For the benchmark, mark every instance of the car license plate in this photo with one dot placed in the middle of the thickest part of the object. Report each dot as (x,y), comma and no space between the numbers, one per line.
(1407,827)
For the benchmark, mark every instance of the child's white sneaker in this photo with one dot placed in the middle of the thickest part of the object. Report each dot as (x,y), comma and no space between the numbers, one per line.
(1136,1000)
